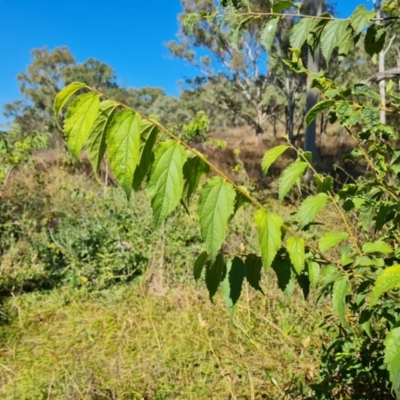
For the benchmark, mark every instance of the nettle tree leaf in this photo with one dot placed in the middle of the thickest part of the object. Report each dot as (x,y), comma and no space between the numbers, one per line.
(253,265)
(296,249)
(392,358)
(374,39)
(123,142)
(282,5)
(389,279)
(215,273)
(363,90)
(148,138)
(332,36)
(289,177)
(318,25)
(341,288)
(283,269)
(63,96)
(81,115)
(269,235)
(310,207)
(313,269)
(166,180)
(347,42)
(331,239)
(377,247)
(271,156)
(95,145)
(193,170)
(236,33)
(199,265)
(232,284)
(299,32)
(217,199)
(317,109)
(268,32)
(361,18)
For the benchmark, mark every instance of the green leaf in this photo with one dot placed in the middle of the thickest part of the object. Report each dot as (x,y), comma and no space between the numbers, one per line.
(215,273)
(282,5)
(389,279)
(344,111)
(253,265)
(269,235)
(271,156)
(313,273)
(317,109)
(216,204)
(360,18)
(363,90)
(347,43)
(332,36)
(370,115)
(392,358)
(193,170)
(232,284)
(284,272)
(289,177)
(341,289)
(148,138)
(95,145)
(296,249)
(325,185)
(299,32)
(199,265)
(329,274)
(331,239)
(377,247)
(166,181)
(268,32)
(240,200)
(62,98)
(123,141)
(375,39)
(314,37)
(236,33)
(81,115)
(310,207)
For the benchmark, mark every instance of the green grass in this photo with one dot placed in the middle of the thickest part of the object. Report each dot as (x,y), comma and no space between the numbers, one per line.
(122,343)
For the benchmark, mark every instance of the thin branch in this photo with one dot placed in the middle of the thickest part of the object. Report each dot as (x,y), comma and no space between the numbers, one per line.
(380,76)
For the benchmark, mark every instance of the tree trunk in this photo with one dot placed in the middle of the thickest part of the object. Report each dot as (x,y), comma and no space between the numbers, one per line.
(312,94)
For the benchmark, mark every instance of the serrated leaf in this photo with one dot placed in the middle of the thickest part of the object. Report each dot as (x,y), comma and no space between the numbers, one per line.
(332,36)
(370,115)
(284,272)
(123,142)
(392,358)
(271,156)
(313,273)
(289,177)
(95,145)
(374,39)
(331,239)
(344,111)
(347,43)
(215,273)
(253,265)
(296,249)
(282,5)
(363,90)
(389,279)
(360,18)
(299,32)
(166,180)
(199,265)
(377,247)
(366,216)
(232,284)
(81,115)
(148,137)
(314,37)
(341,289)
(329,274)
(193,170)
(236,33)
(317,109)
(268,32)
(63,96)
(269,235)
(310,207)
(216,205)
(325,185)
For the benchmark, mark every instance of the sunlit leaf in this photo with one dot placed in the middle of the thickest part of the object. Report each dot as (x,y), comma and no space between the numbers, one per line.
(271,156)
(389,279)
(232,284)
(392,358)
(310,207)
(341,288)
(296,249)
(289,177)
(331,239)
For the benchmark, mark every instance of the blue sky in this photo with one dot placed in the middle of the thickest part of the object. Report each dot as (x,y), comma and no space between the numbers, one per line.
(129,35)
